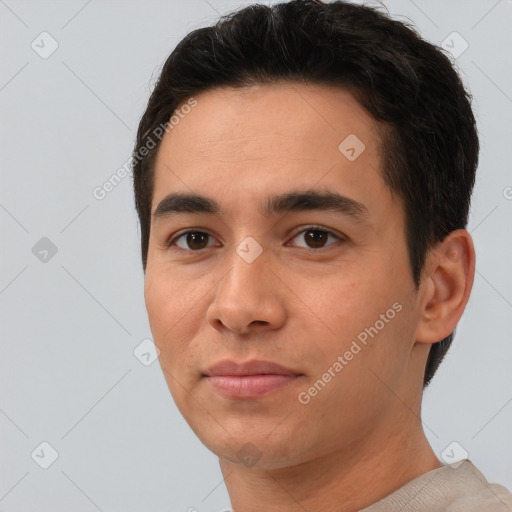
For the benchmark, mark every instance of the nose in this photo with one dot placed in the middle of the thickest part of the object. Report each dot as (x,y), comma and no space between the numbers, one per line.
(250,297)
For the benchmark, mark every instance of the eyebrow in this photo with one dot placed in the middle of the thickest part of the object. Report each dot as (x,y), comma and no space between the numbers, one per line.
(304,200)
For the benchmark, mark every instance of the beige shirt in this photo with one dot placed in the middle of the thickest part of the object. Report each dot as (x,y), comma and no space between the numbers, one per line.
(452,488)
(458,487)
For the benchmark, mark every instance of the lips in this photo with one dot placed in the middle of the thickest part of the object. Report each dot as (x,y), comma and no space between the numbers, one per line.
(253,367)
(251,379)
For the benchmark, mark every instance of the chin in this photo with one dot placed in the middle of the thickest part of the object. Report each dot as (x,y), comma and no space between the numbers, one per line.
(254,451)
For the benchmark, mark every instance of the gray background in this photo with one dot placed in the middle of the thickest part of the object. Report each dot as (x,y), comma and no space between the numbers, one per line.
(70,323)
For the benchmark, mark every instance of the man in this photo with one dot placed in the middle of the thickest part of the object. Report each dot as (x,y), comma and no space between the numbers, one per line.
(302,176)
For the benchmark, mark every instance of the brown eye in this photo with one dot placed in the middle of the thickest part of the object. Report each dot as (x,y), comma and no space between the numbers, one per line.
(315,238)
(196,240)
(191,241)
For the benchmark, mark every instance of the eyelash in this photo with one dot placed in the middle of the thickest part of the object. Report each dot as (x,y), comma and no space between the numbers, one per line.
(171,242)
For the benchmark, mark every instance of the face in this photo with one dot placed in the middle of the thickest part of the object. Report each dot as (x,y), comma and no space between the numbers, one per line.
(295,255)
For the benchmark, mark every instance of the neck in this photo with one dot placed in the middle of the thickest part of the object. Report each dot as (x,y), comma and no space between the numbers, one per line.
(345,480)
(339,481)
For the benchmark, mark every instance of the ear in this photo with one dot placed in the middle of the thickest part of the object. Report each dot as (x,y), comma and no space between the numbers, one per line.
(445,286)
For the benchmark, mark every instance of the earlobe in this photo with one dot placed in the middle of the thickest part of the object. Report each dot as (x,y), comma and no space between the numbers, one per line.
(446,286)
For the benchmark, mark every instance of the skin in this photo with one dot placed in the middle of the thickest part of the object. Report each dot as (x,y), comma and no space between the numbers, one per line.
(361,437)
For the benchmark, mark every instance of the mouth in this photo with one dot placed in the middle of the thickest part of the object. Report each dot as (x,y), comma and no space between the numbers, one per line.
(252,379)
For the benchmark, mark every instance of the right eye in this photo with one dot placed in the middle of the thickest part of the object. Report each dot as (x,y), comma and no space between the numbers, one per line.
(191,241)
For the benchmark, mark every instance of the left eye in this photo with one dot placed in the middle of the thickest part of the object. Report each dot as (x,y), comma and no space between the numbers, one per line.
(315,238)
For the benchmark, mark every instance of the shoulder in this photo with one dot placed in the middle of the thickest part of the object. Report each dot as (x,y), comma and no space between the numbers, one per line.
(480,495)
(459,487)
(498,499)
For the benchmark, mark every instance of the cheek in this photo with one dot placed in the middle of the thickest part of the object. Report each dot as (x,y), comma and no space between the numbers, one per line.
(172,322)
(366,310)
(175,306)
(160,303)
(167,313)
(346,303)
(168,297)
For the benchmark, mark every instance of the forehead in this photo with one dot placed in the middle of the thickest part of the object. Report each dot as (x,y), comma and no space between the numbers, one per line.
(226,120)
(267,138)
